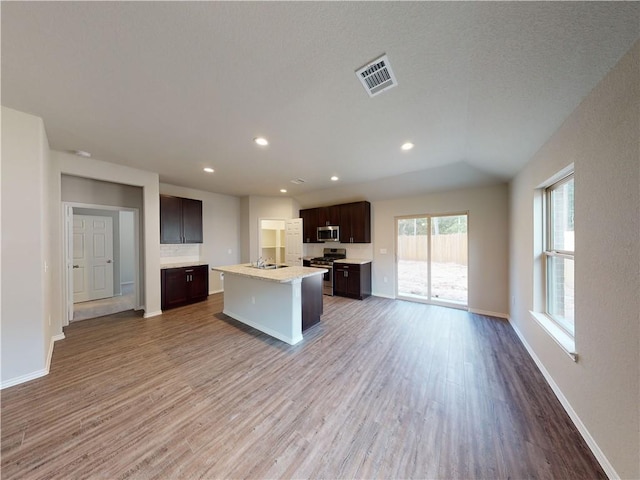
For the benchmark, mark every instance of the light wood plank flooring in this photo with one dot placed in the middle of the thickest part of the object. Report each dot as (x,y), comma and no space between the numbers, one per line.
(379,389)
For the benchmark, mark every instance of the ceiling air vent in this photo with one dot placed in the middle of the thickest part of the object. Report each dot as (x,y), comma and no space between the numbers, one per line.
(377,76)
(298,181)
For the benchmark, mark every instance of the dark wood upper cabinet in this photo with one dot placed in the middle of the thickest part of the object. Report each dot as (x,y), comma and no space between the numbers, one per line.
(180,220)
(192,220)
(355,222)
(329,215)
(309,225)
(170,219)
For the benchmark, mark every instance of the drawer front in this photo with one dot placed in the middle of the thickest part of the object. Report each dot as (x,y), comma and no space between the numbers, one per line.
(349,266)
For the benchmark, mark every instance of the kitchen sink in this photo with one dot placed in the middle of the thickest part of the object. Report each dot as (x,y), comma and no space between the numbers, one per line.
(268,266)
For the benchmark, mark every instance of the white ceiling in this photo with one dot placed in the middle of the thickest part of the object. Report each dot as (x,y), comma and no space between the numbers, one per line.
(173,87)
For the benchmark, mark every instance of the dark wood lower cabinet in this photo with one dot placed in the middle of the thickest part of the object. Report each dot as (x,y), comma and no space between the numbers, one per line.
(312,301)
(352,280)
(185,285)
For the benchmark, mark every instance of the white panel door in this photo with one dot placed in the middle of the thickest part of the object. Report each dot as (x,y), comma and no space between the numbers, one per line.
(293,242)
(92,257)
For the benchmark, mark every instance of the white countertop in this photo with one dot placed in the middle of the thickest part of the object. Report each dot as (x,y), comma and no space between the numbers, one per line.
(182,265)
(280,275)
(355,261)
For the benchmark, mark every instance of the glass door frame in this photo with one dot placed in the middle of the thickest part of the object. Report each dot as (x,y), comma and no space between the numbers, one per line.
(429,299)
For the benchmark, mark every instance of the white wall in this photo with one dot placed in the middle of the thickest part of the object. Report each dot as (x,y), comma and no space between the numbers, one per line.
(88,168)
(95,191)
(221,228)
(26,274)
(488,231)
(89,191)
(245,244)
(602,390)
(257,207)
(127,247)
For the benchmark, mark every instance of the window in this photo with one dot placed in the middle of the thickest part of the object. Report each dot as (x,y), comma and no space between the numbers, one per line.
(432,259)
(559,253)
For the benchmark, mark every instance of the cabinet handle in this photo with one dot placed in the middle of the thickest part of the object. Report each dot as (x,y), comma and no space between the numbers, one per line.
(346,273)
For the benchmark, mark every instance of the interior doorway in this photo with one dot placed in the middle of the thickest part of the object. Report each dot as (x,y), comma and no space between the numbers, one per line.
(432,259)
(93,256)
(102,259)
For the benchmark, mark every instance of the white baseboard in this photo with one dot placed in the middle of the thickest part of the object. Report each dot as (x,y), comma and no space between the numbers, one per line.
(382,295)
(489,313)
(38,373)
(24,378)
(152,314)
(54,339)
(593,446)
(127,283)
(211,292)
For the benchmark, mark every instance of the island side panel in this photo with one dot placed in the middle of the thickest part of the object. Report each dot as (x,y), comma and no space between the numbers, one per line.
(271,307)
(312,307)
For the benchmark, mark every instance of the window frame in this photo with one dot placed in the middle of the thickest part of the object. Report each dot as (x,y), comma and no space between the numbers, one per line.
(549,253)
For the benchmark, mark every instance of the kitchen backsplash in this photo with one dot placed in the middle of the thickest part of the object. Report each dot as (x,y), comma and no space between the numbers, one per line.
(179,253)
(354,250)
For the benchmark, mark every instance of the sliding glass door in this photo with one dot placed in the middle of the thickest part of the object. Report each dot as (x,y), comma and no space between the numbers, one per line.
(432,259)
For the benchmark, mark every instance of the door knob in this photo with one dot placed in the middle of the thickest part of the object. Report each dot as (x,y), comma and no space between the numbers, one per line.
(76,266)
(108,261)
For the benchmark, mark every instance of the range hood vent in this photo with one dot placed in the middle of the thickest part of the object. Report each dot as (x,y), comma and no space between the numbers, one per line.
(377,76)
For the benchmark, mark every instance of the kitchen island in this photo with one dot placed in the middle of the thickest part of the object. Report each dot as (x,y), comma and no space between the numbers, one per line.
(281,302)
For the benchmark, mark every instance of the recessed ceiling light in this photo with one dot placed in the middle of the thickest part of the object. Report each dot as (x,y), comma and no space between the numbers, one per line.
(263,142)
(407,146)
(82,153)
(208,170)
(334,179)
(283,190)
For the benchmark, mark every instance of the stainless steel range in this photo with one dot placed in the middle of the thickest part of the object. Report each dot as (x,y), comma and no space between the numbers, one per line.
(326,261)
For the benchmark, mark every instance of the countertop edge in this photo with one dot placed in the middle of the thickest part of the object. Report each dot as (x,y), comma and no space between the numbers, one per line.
(292,273)
(354,261)
(183,265)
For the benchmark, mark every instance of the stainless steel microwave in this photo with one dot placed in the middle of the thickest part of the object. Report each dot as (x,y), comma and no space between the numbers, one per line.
(329,234)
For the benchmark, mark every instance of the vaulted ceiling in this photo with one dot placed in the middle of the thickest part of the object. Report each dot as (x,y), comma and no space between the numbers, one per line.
(173,87)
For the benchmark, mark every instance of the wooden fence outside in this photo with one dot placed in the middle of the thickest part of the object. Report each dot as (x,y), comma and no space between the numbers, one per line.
(450,248)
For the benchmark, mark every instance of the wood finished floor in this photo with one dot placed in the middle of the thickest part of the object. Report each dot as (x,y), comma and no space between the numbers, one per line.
(379,389)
